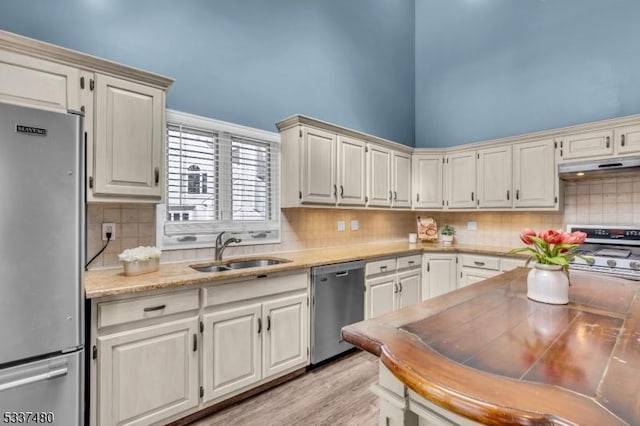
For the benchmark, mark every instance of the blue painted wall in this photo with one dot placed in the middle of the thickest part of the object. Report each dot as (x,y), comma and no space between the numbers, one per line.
(251,62)
(493,68)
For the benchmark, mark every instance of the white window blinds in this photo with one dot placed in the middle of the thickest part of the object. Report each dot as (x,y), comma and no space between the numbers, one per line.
(220,177)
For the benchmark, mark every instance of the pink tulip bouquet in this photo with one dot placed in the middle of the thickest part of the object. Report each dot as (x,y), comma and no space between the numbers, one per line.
(551,247)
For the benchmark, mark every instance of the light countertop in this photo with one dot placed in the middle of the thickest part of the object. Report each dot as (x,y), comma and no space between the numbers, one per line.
(110,282)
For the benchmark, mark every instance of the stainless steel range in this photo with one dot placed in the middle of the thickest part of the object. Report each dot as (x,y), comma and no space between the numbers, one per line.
(615,250)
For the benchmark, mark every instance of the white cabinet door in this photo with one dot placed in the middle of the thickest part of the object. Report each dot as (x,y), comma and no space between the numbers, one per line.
(380,296)
(318,179)
(586,145)
(352,177)
(401,179)
(535,177)
(470,276)
(461,180)
(148,374)
(285,334)
(627,139)
(409,288)
(38,83)
(379,181)
(129,138)
(232,349)
(438,274)
(427,181)
(494,177)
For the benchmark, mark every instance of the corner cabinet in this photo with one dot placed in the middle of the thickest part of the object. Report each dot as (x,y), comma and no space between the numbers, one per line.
(392,284)
(438,274)
(461,180)
(427,181)
(123,113)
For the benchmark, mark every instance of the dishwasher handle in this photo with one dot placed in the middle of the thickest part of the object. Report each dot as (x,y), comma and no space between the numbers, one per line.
(342,274)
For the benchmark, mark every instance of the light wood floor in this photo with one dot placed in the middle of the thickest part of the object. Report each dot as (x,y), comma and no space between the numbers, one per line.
(334,394)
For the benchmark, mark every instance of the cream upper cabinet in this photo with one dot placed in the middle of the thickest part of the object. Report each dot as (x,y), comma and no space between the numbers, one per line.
(535,180)
(129,139)
(38,83)
(401,182)
(352,162)
(318,167)
(379,181)
(427,181)
(461,180)
(438,274)
(627,139)
(148,374)
(494,177)
(586,145)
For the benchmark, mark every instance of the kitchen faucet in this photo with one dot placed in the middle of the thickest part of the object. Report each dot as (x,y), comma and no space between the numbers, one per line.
(220,246)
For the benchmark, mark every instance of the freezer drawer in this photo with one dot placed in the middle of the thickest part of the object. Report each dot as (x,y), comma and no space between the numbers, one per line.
(49,388)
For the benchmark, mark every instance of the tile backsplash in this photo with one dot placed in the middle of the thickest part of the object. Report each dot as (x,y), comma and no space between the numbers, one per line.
(301,229)
(614,200)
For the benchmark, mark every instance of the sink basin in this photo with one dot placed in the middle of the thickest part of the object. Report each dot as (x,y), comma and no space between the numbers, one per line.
(238,264)
(211,268)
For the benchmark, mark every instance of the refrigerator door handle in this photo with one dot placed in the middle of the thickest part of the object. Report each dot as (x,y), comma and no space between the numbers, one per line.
(53,374)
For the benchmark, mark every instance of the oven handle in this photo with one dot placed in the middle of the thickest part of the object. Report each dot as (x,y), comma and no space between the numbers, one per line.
(53,374)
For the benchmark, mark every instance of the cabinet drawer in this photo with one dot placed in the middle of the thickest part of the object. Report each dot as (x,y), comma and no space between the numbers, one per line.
(251,288)
(380,266)
(484,262)
(129,310)
(409,261)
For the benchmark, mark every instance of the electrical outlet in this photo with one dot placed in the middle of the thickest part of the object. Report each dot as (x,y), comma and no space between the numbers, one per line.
(472,225)
(108,227)
(355,225)
(341,225)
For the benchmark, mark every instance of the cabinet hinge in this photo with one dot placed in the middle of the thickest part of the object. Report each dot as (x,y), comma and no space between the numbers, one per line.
(92,84)
(90,181)
(201,391)
(201,326)
(82,82)
(94,352)
(300,133)
(366,149)
(366,198)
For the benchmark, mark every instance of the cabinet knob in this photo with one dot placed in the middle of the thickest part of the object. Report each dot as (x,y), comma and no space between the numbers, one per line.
(341,191)
(268,322)
(335,191)
(395,288)
(259,325)
(471,196)
(395,196)
(508,195)
(417,198)
(400,285)
(390,195)
(608,141)
(517,194)
(622,140)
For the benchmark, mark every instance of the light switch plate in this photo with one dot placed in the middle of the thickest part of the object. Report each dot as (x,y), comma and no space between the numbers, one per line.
(355,225)
(341,225)
(472,225)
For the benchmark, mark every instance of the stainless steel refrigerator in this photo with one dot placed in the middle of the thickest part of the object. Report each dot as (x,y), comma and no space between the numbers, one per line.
(41,262)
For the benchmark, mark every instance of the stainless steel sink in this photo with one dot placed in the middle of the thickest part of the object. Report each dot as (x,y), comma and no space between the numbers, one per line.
(211,268)
(238,264)
(254,263)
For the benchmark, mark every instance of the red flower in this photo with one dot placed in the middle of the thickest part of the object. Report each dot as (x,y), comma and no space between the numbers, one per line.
(551,236)
(525,234)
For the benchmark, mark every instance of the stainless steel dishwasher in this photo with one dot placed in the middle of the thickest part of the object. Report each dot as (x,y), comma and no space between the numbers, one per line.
(337,299)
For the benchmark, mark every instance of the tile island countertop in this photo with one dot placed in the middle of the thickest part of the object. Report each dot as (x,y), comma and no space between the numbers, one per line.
(110,282)
(488,353)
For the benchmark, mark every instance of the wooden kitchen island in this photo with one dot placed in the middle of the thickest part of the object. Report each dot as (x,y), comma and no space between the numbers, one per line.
(487,354)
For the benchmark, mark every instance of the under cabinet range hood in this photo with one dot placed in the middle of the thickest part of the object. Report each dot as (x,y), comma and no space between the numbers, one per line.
(603,167)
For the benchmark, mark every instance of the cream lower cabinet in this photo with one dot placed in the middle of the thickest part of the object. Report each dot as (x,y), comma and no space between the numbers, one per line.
(438,274)
(392,284)
(145,365)
(252,332)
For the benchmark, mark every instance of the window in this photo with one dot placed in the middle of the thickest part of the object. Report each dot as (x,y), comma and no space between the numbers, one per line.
(220,177)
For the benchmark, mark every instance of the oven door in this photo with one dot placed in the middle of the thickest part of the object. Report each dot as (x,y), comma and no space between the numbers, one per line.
(49,389)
